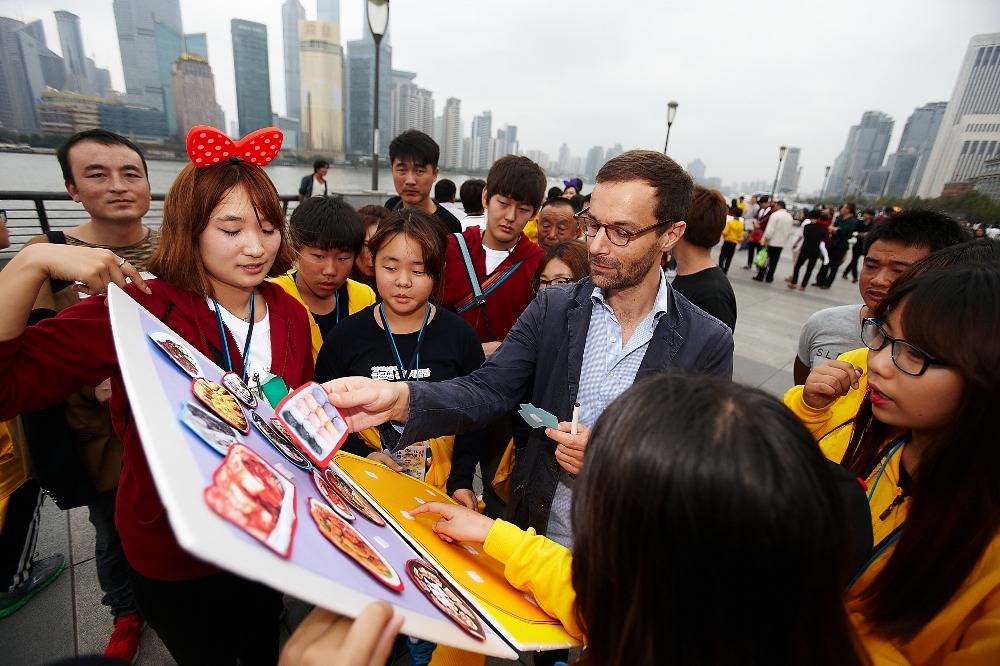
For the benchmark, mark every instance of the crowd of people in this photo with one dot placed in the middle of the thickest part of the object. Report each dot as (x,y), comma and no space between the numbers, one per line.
(673,516)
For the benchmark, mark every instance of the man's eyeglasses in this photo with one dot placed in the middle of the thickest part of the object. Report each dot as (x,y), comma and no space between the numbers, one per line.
(909,358)
(616,235)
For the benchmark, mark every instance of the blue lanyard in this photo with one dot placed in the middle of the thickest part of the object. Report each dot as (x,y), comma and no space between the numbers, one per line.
(895,447)
(336,299)
(415,361)
(895,534)
(225,342)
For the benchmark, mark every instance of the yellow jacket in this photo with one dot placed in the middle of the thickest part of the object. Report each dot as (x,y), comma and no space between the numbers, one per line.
(15,467)
(531,229)
(539,566)
(359,296)
(967,630)
(733,231)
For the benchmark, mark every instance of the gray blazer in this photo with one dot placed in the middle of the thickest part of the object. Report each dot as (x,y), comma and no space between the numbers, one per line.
(544,352)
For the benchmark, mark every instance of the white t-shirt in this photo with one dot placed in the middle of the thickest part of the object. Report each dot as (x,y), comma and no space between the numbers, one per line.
(260,344)
(473,221)
(319,188)
(829,333)
(494,258)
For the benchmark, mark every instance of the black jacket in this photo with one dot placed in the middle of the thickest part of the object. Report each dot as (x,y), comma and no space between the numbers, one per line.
(545,347)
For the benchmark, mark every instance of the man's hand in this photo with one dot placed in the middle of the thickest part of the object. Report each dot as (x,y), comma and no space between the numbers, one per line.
(366,403)
(828,381)
(386,460)
(457,522)
(103,392)
(569,448)
(466,498)
(326,638)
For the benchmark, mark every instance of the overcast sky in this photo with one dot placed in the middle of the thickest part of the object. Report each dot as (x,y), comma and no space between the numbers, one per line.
(749,76)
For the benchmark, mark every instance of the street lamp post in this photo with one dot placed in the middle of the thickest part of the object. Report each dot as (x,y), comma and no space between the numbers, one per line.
(378,22)
(823,191)
(671,112)
(847,186)
(781,156)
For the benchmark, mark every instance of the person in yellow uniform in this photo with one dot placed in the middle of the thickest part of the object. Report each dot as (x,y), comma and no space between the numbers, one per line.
(328,235)
(915,424)
(698,543)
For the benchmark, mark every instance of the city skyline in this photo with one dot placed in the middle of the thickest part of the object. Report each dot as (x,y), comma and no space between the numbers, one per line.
(736,138)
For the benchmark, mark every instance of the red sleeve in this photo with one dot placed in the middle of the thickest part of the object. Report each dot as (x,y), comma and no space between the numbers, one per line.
(57,357)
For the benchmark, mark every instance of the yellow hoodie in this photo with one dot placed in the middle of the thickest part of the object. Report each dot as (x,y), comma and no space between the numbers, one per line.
(733,231)
(359,296)
(967,630)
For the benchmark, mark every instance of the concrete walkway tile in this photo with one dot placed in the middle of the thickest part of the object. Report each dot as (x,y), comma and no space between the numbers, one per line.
(82,534)
(750,372)
(93,621)
(779,383)
(152,652)
(53,531)
(42,630)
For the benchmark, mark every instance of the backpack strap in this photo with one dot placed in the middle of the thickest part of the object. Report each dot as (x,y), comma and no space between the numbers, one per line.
(57,238)
(477,290)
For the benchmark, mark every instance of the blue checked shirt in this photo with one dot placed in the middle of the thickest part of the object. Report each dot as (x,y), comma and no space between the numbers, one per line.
(608,370)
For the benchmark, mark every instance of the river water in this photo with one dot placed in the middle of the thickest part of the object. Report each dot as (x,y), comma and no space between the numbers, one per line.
(40,173)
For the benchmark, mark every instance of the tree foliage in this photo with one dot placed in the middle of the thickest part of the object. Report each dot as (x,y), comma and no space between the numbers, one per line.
(976,207)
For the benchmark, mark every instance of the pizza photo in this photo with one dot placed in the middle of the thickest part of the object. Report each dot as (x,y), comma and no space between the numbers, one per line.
(340,533)
(222,402)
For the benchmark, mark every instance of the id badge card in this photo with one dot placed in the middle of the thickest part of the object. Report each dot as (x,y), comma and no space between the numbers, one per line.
(413,459)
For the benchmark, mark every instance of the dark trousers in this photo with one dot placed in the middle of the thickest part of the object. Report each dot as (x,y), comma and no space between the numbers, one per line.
(551,657)
(852,266)
(20,534)
(752,249)
(811,258)
(828,273)
(726,255)
(766,272)
(109,556)
(497,438)
(216,619)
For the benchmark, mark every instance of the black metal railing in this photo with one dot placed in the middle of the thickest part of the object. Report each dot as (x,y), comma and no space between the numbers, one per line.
(32,213)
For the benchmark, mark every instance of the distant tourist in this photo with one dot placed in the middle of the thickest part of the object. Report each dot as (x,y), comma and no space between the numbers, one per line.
(315,185)
(364,266)
(573,187)
(858,250)
(811,241)
(444,195)
(414,158)
(556,223)
(780,228)
(471,194)
(756,227)
(841,232)
(731,235)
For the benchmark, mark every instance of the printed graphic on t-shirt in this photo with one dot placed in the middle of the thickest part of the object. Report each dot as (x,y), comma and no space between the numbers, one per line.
(391,373)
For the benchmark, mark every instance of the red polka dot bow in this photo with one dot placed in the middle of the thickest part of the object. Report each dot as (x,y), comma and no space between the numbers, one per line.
(207,146)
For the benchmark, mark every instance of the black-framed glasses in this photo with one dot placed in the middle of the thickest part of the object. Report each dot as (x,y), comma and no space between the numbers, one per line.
(906,356)
(616,235)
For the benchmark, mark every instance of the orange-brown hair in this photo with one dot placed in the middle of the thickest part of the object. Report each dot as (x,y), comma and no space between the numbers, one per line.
(187,209)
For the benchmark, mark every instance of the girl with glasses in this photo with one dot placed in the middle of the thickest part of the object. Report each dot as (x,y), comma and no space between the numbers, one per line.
(924,442)
(563,263)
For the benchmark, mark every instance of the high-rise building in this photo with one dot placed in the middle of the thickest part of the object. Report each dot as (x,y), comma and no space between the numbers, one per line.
(196,43)
(411,107)
(141,64)
(696,169)
(907,164)
(789,181)
(481,134)
(71,43)
(595,160)
(234,129)
(37,31)
(539,157)
(169,47)
(221,118)
(328,10)
(291,130)
(862,154)
(18,59)
(291,13)
(65,113)
(507,143)
(359,77)
(193,88)
(564,159)
(613,152)
(970,128)
(321,72)
(451,134)
(253,79)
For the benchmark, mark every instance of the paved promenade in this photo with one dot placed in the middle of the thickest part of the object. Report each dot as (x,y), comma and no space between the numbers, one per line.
(67,618)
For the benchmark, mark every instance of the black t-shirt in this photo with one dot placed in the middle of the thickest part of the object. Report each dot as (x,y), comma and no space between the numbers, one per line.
(710,290)
(358,346)
(327,321)
(450,221)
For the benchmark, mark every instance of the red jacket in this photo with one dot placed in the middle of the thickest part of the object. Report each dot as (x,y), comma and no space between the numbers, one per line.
(59,356)
(508,301)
